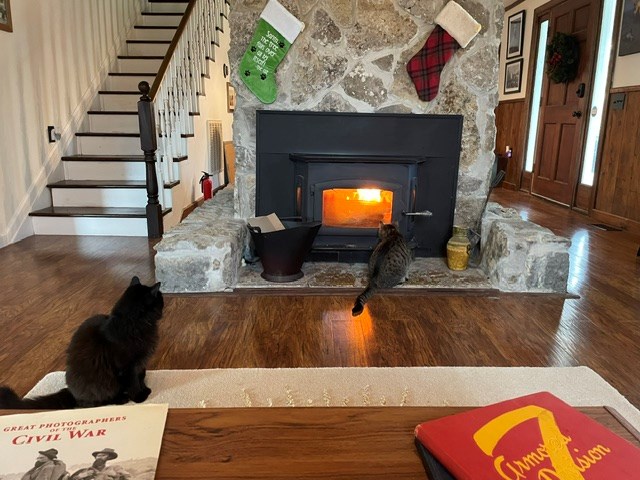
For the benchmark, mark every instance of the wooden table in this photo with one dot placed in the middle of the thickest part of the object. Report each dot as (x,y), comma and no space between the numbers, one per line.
(307,443)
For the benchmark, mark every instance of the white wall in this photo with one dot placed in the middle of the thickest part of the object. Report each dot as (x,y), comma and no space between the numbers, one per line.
(626,70)
(50,68)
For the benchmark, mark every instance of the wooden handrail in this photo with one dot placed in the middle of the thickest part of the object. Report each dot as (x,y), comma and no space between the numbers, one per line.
(174,43)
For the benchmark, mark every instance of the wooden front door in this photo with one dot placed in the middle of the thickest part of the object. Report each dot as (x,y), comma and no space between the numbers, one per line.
(564,106)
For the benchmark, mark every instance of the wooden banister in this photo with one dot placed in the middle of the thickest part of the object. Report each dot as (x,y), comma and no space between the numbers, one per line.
(149,144)
(164,110)
(174,43)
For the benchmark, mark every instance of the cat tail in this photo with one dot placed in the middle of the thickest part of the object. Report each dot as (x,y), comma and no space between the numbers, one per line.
(56,401)
(363,298)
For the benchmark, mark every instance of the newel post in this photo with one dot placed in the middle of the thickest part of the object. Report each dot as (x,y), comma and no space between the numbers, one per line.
(149,145)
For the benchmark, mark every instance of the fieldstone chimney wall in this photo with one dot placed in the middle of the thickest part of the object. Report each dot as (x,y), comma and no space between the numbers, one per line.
(352,57)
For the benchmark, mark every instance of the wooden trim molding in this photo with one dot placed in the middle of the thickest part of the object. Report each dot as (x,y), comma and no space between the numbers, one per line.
(616,221)
(511,100)
(632,88)
(191,207)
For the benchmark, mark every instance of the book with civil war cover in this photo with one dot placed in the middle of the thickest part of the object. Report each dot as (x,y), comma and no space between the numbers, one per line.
(119,442)
(534,437)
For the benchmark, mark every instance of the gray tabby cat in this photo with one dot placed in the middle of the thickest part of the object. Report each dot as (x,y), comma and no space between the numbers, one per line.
(388,264)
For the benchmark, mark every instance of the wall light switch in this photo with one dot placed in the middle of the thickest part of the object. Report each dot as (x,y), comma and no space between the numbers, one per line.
(51,133)
(617,101)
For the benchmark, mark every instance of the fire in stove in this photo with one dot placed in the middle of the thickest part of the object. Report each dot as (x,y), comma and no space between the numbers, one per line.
(356,207)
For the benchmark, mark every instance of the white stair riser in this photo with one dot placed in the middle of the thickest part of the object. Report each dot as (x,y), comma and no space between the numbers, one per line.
(101,197)
(114,123)
(89,170)
(153,33)
(166,7)
(109,145)
(147,48)
(157,20)
(122,227)
(124,102)
(127,83)
(135,65)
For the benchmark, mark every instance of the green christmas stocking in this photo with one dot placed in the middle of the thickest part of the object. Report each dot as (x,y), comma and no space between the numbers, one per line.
(276,31)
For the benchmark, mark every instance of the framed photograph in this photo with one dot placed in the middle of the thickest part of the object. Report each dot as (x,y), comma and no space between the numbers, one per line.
(513,76)
(231,98)
(515,34)
(5,16)
(630,28)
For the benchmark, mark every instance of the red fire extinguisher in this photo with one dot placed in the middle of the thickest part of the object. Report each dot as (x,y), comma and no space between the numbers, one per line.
(206,185)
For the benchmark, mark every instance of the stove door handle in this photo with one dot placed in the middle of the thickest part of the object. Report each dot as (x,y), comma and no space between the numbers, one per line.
(424,213)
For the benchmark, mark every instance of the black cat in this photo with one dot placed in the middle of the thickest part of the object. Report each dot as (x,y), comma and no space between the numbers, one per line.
(388,264)
(107,355)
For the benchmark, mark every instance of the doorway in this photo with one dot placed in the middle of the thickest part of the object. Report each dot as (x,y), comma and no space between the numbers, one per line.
(560,112)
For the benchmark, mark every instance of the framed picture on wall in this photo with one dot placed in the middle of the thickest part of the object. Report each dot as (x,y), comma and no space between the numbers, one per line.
(515,34)
(630,28)
(231,98)
(513,76)
(5,16)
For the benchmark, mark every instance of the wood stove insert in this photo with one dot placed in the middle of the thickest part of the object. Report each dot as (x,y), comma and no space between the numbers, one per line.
(352,194)
(333,167)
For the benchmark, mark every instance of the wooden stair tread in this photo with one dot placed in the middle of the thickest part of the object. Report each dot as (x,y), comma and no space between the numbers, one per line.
(123,134)
(123,112)
(118,92)
(107,134)
(103,158)
(156,27)
(163,14)
(115,212)
(165,42)
(112,112)
(106,184)
(98,184)
(128,74)
(141,57)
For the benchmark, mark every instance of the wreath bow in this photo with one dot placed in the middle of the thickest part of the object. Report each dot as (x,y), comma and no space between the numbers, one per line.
(563,54)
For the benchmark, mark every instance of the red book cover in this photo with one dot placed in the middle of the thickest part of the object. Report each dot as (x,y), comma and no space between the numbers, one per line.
(535,437)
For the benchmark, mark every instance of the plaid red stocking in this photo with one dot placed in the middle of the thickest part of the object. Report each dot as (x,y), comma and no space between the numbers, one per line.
(425,67)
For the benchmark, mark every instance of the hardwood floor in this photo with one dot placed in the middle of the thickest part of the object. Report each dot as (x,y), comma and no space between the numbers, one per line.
(51,284)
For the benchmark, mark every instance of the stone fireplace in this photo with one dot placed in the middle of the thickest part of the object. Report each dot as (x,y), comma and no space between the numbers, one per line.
(351,58)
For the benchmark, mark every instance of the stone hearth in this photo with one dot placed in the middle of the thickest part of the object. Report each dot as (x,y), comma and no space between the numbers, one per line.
(204,254)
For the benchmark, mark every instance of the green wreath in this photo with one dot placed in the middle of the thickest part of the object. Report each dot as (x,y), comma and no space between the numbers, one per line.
(563,54)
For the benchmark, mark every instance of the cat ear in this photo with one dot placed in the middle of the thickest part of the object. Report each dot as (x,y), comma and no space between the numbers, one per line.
(155,289)
(135,281)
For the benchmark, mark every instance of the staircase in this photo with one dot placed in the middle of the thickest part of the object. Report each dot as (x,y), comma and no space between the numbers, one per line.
(104,191)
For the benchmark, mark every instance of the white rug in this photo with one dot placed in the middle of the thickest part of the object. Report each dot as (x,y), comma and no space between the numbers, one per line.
(410,386)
